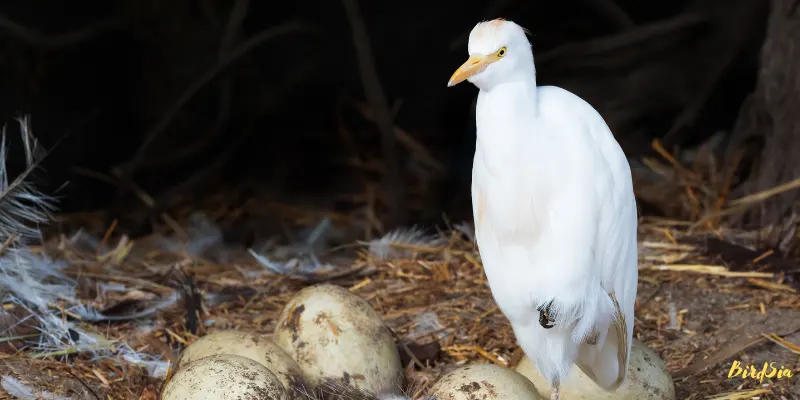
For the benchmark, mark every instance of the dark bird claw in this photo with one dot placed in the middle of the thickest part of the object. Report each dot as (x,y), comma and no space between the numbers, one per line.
(546,319)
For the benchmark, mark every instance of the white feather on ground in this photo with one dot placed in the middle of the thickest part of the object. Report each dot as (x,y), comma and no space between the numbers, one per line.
(467,229)
(204,235)
(17,389)
(300,258)
(428,322)
(35,279)
(31,281)
(22,207)
(34,282)
(399,243)
(206,238)
(90,314)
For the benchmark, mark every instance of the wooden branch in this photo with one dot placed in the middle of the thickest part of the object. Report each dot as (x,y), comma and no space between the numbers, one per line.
(377,100)
(610,10)
(739,26)
(201,82)
(632,37)
(771,114)
(36,38)
(607,8)
(233,26)
(203,176)
(235,19)
(692,110)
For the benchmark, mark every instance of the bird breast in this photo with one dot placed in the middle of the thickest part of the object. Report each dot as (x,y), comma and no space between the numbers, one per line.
(510,207)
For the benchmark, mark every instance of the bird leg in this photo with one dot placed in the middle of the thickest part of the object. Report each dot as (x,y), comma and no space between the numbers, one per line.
(546,319)
(554,394)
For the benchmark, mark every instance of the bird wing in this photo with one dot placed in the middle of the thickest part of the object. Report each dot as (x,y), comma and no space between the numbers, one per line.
(617,235)
(615,249)
(606,362)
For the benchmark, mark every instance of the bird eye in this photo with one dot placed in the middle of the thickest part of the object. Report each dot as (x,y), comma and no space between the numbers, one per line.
(501,52)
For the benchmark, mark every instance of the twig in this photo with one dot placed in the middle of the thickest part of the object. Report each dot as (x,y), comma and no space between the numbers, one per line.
(742,204)
(201,82)
(725,352)
(84,384)
(738,29)
(774,338)
(7,243)
(36,38)
(210,13)
(151,286)
(627,38)
(237,15)
(235,19)
(766,194)
(383,115)
(147,199)
(405,139)
(737,257)
(717,270)
(740,394)
(406,349)
(613,12)
(693,109)
(192,301)
(205,174)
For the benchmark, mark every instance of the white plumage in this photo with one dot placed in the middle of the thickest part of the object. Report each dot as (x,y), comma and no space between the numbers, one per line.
(555,214)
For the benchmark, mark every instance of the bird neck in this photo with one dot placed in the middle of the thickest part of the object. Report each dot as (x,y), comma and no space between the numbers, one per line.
(504,116)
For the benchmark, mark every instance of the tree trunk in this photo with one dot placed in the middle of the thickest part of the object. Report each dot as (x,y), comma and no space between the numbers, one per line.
(770,116)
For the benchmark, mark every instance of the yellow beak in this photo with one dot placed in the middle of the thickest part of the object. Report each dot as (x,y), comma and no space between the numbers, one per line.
(472,67)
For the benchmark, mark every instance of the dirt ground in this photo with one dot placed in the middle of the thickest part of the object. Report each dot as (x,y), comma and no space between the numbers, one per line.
(695,320)
(715,320)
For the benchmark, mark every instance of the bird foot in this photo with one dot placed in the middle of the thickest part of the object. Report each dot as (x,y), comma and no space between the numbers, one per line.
(546,319)
(554,395)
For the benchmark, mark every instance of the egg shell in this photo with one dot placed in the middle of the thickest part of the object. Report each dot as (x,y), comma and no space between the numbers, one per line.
(484,382)
(648,379)
(255,346)
(224,377)
(335,335)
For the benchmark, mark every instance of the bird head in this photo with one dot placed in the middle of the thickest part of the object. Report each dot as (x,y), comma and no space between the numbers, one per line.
(499,52)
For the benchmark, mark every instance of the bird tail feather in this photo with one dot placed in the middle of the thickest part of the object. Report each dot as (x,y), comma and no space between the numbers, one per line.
(606,363)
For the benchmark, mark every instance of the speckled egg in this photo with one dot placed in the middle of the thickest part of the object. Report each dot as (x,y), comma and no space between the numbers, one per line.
(484,382)
(648,379)
(335,335)
(254,346)
(224,377)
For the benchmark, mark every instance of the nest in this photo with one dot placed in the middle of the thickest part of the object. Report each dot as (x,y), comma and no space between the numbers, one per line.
(94,313)
(137,303)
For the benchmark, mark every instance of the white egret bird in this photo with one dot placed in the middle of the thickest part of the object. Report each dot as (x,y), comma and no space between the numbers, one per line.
(555,214)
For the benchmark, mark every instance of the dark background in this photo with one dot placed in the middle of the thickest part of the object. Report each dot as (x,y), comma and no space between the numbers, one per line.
(285,118)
